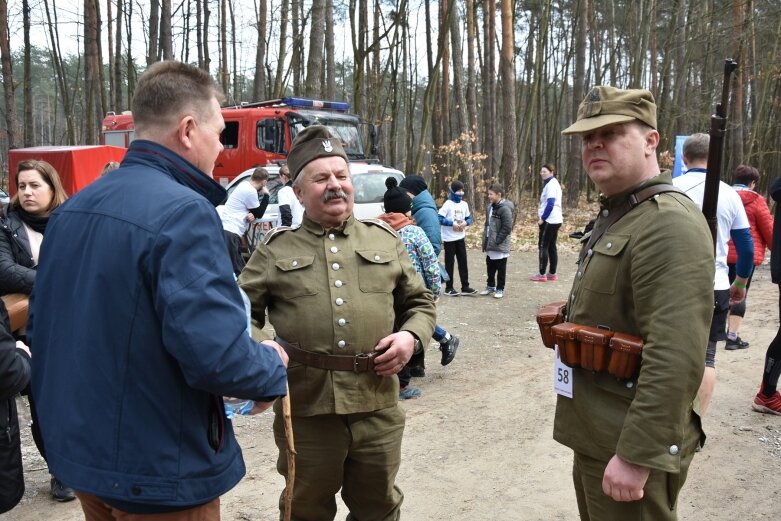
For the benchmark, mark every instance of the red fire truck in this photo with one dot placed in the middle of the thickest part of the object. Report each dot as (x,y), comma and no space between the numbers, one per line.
(260,133)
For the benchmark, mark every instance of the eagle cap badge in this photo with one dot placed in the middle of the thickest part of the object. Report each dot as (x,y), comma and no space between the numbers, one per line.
(327,146)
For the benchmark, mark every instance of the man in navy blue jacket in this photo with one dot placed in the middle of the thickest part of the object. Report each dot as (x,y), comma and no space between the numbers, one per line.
(138,325)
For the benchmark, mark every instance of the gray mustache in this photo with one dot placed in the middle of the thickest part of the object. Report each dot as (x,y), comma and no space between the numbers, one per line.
(334,194)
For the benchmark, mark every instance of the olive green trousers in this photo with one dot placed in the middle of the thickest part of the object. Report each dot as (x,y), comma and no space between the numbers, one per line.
(660,494)
(357,453)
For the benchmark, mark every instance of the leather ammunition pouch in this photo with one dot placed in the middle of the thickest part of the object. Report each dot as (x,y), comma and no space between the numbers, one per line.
(16,304)
(592,348)
(548,316)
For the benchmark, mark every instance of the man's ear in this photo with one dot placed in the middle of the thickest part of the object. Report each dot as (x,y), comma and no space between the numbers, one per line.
(184,131)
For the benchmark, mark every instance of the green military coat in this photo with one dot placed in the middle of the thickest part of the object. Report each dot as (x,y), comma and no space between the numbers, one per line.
(337,292)
(650,275)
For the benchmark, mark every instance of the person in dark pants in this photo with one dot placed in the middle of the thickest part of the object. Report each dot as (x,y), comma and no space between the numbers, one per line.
(549,220)
(243,207)
(768,399)
(496,240)
(14,376)
(454,217)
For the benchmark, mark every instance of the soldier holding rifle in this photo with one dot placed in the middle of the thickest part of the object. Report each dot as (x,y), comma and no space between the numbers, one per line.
(647,271)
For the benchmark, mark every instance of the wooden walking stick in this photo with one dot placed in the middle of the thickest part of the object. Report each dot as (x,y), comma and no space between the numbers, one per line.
(291,454)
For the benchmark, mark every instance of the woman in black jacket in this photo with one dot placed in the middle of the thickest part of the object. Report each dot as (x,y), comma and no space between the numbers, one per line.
(39,192)
(14,376)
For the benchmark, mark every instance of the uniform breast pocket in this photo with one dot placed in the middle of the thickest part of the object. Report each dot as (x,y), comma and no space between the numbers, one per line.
(295,276)
(376,271)
(605,264)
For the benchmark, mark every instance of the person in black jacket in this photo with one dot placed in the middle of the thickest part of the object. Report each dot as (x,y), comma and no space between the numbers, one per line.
(768,399)
(14,376)
(39,192)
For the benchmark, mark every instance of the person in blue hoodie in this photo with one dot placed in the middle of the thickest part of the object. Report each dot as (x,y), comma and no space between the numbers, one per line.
(138,325)
(454,217)
(424,211)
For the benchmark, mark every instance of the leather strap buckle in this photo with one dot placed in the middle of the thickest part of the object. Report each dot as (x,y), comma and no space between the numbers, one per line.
(357,361)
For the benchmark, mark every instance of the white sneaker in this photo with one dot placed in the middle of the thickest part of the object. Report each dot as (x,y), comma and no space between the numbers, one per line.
(499,293)
(488,290)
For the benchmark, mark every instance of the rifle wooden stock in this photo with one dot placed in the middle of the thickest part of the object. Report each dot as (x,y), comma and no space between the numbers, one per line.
(718,126)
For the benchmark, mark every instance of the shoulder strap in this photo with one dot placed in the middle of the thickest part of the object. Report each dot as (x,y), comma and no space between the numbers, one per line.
(632,201)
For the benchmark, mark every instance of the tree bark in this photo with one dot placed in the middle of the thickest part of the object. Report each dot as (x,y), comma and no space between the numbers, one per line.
(259,83)
(279,83)
(27,83)
(314,67)
(166,42)
(154,25)
(330,52)
(507,71)
(11,118)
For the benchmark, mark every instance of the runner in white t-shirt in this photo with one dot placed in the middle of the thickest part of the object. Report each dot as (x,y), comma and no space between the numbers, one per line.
(242,207)
(732,223)
(549,219)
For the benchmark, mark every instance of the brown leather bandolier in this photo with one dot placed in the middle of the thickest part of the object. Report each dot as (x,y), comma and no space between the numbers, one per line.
(592,348)
(359,363)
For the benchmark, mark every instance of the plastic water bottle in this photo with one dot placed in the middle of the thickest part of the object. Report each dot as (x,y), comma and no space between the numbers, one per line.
(235,406)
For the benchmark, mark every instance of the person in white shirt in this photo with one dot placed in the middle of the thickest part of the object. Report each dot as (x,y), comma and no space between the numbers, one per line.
(549,219)
(732,222)
(454,217)
(242,207)
(291,212)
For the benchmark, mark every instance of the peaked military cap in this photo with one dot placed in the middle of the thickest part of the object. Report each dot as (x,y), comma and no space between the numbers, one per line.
(605,105)
(312,143)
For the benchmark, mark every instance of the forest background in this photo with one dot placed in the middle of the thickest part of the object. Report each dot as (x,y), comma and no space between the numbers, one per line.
(473,89)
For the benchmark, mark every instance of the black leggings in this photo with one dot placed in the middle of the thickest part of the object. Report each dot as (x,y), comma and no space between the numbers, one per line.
(773,359)
(739,310)
(456,250)
(547,246)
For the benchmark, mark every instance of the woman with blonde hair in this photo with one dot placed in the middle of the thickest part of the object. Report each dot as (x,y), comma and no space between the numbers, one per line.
(39,192)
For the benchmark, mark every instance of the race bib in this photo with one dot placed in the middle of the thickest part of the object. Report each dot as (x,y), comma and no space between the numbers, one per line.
(562,376)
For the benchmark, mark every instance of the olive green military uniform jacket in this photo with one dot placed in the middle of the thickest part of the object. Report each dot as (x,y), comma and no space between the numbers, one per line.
(650,275)
(337,292)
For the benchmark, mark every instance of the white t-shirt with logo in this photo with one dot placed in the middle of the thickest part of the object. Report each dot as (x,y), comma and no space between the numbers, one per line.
(454,212)
(551,190)
(730,213)
(243,199)
(286,196)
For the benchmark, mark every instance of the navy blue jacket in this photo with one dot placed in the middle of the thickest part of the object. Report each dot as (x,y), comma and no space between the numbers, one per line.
(424,211)
(139,328)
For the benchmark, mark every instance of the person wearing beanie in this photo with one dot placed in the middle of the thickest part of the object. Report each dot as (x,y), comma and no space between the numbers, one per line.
(350,310)
(397,204)
(454,217)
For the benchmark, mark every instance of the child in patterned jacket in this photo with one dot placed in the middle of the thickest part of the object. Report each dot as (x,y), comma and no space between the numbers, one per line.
(398,207)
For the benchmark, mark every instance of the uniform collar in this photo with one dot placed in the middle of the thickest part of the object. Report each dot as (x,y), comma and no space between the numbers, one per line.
(316,228)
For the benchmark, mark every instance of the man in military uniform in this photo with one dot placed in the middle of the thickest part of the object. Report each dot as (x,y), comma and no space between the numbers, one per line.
(349,308)
(648,274)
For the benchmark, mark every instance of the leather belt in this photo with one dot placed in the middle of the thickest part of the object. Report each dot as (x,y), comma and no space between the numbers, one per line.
(359,363)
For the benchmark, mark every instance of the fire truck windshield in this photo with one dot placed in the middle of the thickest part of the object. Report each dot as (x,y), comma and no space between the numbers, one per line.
(346,130)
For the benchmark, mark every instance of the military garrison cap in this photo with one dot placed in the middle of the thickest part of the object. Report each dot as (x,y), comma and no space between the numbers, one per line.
(312,143)
(605,105)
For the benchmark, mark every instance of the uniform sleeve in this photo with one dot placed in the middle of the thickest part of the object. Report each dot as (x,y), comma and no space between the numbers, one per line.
(412,301)
(253,280)
(202,312)
(673,319)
